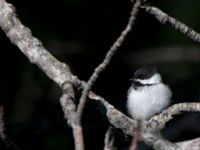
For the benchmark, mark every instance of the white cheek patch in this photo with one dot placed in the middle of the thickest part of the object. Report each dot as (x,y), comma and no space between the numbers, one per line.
(153,80)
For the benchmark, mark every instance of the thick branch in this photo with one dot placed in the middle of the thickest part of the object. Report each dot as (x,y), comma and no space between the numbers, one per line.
(190,144)
(36,53)
(108,57)
(31,46)
(164,18)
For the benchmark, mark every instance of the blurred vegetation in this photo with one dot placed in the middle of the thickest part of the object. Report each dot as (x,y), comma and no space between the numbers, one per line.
(80,33)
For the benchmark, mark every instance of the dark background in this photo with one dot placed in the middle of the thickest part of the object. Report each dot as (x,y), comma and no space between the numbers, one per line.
(79,33)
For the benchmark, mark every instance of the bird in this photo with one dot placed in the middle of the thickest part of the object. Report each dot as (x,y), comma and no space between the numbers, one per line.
(147,95)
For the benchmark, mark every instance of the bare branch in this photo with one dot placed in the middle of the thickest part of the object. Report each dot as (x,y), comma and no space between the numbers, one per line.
(109,139)
(69,109)
(22,37)
(157,141)
(67,102)
(108,57)
(34,50)
(114,116)
(160,120)
(190,144)
(2,134)
(164,18)
(134,142)
(150,129)
(60,73)
(128,126)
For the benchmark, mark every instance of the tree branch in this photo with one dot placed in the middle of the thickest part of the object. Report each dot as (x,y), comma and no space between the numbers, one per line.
(164,18)
(114,116)
(60,74)
(109,139)
(128,126)
(108,57)
(158,122)
(2,133)
(3,136)
(22,37)
(190,144)
(69,109)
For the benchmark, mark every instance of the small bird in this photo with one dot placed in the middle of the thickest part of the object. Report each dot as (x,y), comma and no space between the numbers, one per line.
(148,95)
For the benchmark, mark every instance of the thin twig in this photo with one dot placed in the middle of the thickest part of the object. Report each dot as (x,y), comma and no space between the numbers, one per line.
(134,142)
(164,18)
(108,57)
(10,145)
(109,139)
(2,133)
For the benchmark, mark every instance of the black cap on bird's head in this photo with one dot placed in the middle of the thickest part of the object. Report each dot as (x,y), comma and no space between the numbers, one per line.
(146,76)
(145,72)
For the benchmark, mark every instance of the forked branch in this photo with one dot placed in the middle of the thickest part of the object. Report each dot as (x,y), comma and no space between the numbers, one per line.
(108,57)
(60,73)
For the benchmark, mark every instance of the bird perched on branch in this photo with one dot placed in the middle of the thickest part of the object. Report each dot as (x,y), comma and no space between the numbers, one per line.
(148,95)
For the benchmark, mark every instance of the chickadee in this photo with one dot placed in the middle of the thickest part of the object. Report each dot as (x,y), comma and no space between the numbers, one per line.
(148,95)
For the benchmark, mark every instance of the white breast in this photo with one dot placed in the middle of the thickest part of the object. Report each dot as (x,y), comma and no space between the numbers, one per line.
(148,100)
